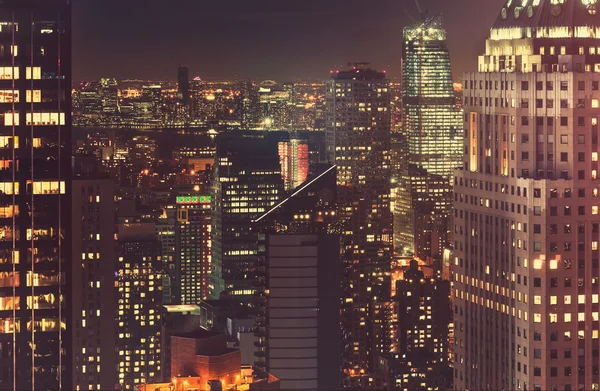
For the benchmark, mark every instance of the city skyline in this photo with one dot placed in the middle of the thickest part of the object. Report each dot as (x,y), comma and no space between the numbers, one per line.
(284,41)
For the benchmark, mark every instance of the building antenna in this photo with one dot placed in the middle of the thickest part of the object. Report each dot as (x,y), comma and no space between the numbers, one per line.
(422,13)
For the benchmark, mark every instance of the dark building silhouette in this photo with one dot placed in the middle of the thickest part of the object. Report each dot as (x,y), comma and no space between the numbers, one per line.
(183,84)
(35,189)
(298,326)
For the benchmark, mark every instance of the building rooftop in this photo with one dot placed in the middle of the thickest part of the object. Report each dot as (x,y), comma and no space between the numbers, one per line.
(548,13)
(358,73)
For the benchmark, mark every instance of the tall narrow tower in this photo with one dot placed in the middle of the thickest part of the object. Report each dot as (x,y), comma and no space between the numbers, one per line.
(526,226)
(358,142)
(35,149)
(431,135)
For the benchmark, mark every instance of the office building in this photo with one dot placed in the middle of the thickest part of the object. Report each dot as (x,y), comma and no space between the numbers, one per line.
(246,183)
(431,135)
(139,298)
(109,94)
(35,204)
(183,84)
(358,142)
(420,360)
(193,249)
(298,326)
(293,157)
(93,302)
(526,224)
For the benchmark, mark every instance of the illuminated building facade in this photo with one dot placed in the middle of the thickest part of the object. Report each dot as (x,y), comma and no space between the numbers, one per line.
(431,134)
(420,360)
(358,142)
(293,157)
(93,302)
(193,250)
(109,94)
(246,183)
(139,300)
(526,227)
(35,209)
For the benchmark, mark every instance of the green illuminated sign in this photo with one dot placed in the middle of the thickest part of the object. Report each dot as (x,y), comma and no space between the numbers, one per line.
(192,199)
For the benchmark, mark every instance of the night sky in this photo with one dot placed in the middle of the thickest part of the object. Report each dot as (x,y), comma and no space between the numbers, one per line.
(284,40)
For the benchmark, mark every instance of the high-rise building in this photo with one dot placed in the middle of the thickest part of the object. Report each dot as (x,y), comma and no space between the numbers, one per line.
(431,135)
(35,202)
(246,183)
(420,360)
(139,299)
(298,326)
(526,224)
(109,94)
(293,157)
(93,302)
(358,142)
(183,84)
(193,250)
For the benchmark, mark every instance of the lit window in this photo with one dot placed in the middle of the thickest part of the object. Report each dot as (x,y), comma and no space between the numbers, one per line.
(37,73)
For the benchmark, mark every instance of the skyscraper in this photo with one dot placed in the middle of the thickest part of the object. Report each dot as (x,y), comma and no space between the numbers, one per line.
(246,183)
(431,135)
(421,360)
(94,302)
(183,84)
(192,248)
(358,142)
(526,282)
(298,326)
(139,298)
(35,141)
(293,157)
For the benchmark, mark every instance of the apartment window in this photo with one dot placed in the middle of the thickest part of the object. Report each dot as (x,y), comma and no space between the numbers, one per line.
(564,156)
(595,85)
(550,103)
(581,156)
(525,85)
(580,121)
(564,121)
(564,104)
(525,156)
(564,86)
(581,85)
(581,103)
(564,138)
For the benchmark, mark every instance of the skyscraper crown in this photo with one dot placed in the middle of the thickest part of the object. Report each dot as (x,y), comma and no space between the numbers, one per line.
(548,14)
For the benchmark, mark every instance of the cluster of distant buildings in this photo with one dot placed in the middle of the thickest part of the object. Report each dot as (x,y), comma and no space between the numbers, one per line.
(198,103)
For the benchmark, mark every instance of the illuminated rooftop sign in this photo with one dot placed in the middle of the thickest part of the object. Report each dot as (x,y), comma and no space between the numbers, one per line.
(192,199)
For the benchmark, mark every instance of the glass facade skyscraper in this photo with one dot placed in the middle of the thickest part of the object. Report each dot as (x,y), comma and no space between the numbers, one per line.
(432,136)
(246,183)
(35,159)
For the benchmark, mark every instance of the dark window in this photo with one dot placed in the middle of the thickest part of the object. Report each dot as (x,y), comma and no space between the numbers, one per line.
(564,121)
(564,86)
(581,85)
(564,156)
(525,85)
(537,282)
